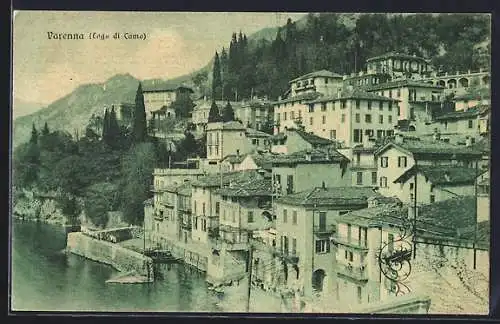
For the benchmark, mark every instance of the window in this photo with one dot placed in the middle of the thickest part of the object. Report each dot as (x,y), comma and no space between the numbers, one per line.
(471,123)
(390,106)
(284,115)
(323,106)
(358,118)
(324,119)
(432,198)
(224,215)
(278,117)
(411,186)
(398,93)
(326,80)
(390,93)
(343,104)
(374,177)
(402,161)
(300,114)
(342,118)
(292,115)
(217,208)
(333,134)
(204,225)
(383,182)
(203,209)
(310,121)
(311,108)
(322,246)
(346,254)
(358,136)
(294,217)
(357,104)
(368,119)
(384,161)
(254,141)
(359,294)
(194,207)
(289,184)
(359,178)
(369,105)
(381,119)
(389,119)
(285,216)
(195,223)
(380,105)
(250,217)
(351,256)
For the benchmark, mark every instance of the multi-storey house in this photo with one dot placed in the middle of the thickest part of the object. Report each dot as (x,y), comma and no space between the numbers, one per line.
(255,113)
(472,122)
(304,223)
(400,154)
(158,96)
(351,115)
(294,140)
(399,65)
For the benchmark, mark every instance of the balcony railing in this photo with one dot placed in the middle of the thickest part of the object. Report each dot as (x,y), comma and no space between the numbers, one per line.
(351,242)
(324,230)
(358,272)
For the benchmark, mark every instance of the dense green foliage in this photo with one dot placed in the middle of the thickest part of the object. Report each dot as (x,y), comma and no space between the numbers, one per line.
(139,126)
(324,41)
(213,114)
(227,113)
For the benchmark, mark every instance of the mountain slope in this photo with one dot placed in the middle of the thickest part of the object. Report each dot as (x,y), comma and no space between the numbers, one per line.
(23,108)
(74,110)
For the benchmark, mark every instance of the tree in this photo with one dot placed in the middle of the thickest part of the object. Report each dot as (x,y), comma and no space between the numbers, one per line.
(70,208)
(138,167)
(105,127)
(99,199)
(200,80)
(183,105)
(228,113)
(216,79)
(213,114)
(139,126)
(45,130)
(34,135)
(188,145)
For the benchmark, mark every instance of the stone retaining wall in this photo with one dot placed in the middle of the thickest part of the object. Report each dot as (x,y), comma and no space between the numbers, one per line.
(118,257)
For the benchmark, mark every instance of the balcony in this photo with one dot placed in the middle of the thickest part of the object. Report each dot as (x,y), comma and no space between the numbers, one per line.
(291,257)
(350,242)
(185,209)
(230,245)
(357,272)
(324,230)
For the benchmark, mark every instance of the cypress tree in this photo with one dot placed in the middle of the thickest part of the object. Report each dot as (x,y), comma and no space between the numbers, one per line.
(228,113)
(139,128)
(105,126)
(213,115)
(34,135)
(45,130)
(114,129)
(217,79)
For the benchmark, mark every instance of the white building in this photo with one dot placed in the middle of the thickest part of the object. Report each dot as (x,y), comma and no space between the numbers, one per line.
(399,155)
(399,65)
(293,140)
(159,94)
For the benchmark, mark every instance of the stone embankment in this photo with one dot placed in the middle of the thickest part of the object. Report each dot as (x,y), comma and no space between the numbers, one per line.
(120,258)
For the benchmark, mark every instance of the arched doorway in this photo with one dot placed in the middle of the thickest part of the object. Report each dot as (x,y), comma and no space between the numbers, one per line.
(464,82)
(411,128)
(318,277)
(441,83)
(452,83)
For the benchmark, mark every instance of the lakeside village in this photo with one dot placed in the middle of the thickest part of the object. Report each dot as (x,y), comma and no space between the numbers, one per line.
(371,195)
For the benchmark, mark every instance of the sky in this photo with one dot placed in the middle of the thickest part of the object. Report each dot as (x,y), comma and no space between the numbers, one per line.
(45,70)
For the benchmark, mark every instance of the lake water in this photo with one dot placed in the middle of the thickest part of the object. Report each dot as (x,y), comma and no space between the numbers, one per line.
(45,279)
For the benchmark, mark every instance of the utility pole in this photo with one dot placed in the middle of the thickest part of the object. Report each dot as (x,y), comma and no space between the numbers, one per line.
(250,261)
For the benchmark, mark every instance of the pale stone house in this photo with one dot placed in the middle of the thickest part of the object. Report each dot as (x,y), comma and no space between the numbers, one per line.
(400,154)
(305,221)
(474,121)
(294,140)
(308,169)
(430,183)
(399,65)
(158,95)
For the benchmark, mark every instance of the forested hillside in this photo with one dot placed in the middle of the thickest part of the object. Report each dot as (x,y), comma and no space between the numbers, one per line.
(331,41)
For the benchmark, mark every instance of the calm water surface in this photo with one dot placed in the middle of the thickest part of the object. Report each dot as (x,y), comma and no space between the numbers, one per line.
(45,279)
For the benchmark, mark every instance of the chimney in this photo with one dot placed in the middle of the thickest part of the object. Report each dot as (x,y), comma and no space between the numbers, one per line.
(468,141)
(437,135)
(308,155)
(399,138)
(372,202)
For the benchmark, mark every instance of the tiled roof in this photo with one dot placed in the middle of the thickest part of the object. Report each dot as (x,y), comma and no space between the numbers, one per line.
(354,93)
(214,180)
(447,219)
(301,97)
(417,146)
(248,187)
(263,160)
(180,188)
(400,84)
(313,139)
(471,112)
(395,54)
(474,94)
(255,133)
(316,156)
(320,73)
(442,174)
(330,196)
(231,125)
(361,148)
(233,158)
